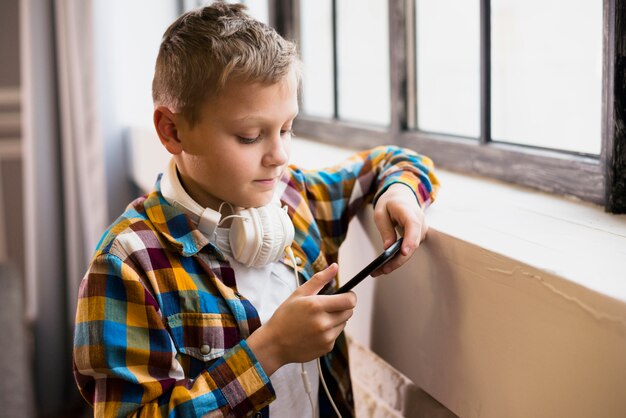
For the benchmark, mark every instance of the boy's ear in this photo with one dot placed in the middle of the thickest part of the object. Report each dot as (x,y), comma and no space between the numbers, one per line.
(165,123)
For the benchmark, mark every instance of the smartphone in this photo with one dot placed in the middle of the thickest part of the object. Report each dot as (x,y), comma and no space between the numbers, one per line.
(369,269)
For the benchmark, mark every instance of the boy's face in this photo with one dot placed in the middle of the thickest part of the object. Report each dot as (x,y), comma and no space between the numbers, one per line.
(240,147)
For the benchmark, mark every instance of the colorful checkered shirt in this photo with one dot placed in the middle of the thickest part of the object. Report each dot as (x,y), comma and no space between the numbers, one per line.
(160,327)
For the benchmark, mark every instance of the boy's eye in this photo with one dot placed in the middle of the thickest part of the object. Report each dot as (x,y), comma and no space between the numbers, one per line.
(245,140)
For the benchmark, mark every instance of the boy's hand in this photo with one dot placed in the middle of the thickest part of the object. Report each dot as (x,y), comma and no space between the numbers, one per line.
(398,207)
(305,326)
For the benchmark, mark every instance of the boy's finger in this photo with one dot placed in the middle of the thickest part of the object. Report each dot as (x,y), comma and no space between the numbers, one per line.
(318,281)
(385,226)
(424,230)
(396,262)
(340,318)
(412,237)
(339,303)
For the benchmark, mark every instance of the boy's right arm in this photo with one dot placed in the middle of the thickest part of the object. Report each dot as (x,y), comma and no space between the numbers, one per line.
(125,361)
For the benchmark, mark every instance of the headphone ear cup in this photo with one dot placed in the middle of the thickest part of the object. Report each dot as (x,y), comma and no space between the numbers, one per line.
(262,236)
(246,237)
(286,226)
(278,233)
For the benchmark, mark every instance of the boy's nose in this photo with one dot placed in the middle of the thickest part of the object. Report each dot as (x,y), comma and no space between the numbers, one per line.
(277,152)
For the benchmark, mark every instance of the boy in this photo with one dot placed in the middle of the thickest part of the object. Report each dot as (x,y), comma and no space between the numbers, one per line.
(190,306)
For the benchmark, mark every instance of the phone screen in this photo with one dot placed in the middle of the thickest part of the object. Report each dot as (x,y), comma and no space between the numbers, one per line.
(369,269)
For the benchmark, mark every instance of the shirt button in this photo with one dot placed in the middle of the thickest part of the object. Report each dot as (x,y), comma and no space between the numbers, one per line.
(205,349)
(298,261)
(258,415)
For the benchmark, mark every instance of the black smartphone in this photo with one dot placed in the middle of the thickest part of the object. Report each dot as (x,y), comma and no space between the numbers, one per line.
(369,269)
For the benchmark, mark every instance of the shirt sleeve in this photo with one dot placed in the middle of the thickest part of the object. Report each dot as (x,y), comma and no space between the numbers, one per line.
(125,360)
(337,193)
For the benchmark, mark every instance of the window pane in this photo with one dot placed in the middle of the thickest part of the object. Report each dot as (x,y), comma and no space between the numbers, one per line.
(316,49)
(258,9)
(448,66)
(547,73)
(363,61)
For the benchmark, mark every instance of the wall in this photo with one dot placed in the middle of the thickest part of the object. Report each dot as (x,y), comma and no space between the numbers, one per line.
(11,208)
(16,396)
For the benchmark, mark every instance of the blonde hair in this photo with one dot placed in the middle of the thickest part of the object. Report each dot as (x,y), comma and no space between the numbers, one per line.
(206,47)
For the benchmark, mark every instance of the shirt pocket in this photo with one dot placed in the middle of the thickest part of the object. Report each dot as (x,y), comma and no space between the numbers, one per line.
(203,336)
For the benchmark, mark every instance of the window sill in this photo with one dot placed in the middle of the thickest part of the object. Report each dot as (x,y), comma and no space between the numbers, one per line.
(573,240)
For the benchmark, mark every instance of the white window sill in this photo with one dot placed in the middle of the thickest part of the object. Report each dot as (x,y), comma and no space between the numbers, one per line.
(570,239)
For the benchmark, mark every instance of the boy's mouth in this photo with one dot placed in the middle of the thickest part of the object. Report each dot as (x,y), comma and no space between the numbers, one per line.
(267,181)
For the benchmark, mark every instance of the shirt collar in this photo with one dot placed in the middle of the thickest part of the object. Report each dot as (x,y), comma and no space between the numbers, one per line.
(174,225)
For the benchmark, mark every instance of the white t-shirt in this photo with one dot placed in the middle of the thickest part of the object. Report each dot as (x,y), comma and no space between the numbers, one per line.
(266,288)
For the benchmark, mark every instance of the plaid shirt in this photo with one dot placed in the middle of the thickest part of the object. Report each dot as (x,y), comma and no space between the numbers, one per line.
(160,327)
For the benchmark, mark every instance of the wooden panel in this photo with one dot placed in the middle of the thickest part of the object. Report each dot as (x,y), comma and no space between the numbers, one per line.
(615,106)
(549,171)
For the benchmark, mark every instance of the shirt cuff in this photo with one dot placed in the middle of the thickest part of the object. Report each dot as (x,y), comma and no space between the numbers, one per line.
(408,181)
(243,381)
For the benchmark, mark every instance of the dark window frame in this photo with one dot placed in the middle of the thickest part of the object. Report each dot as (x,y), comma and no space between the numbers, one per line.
(598,179)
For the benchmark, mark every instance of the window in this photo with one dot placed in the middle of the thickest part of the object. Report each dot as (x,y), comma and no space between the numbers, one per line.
(527,92)
(344,47)
(547,53)
(447,87)
(257,8)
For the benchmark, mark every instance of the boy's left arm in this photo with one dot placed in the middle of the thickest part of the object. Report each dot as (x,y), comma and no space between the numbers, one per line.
(399,182)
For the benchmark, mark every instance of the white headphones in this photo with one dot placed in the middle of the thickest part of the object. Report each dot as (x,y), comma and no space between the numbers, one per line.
(256,237)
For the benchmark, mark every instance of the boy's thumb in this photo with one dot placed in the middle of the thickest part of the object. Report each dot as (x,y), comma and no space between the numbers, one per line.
(319,280)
